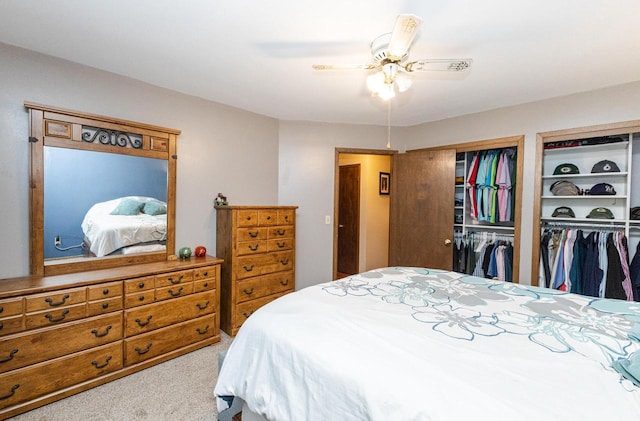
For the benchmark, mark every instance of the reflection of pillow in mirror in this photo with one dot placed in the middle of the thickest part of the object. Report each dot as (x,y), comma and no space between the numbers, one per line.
(154,207)
(128,206)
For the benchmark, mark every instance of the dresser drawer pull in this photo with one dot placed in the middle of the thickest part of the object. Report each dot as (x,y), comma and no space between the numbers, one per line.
(249,218)
(254,248)
(10,394)
(178,292)
(100,335)
(247,315)
(281,244)
(57,319)
(284,283)
(202,307)
(1,309)
(268,218)
(105,291)
(105,305)
(143,324)
(248,291)
(206,284)
(10,357)
(253,234)
(202,331)
(248,269)
(106,363)
(141,298)
(284,262)
(59,303)
(141,285)
(280,232)
(205,273)
(175,281)
(1,325)
(143,351)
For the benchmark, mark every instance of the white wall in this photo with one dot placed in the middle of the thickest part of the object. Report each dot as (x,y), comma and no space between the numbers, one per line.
(221,149)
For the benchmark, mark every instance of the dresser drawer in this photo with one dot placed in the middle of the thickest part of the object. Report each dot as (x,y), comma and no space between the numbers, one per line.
(32,347)
(56,300)
(261,286)
(267,217)
(11,307)
(149,345)
(278,244)
(204,285)
(174,278)
(284,231)
(247,218)
(247,234)
(30,382)
(174,291)
(246,309)
(97,307)
(141,298)
(102,291)
(55,316)
(263,264)
(139,284)
(251,247)
(158,315)
(208,272)
(286,216)
(11,324)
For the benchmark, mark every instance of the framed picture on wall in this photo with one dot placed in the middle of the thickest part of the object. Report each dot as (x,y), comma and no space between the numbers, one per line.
(385,182)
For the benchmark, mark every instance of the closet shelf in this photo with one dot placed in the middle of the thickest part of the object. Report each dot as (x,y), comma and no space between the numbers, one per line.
(587,175)
(586,196)
(584,221)
(488,227)
(605,147)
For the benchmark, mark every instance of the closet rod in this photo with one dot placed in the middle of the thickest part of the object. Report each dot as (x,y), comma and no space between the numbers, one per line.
(612,225)
(479,233)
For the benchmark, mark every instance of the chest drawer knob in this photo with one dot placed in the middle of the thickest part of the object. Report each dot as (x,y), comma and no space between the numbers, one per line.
(248,291)
(279,244)
(105,291)
(1,325)
(11,393)
(141,285)
(280,232)
(246,315)
(57,319)
(205,273)
(10,357)
(202,331)
(100,335)
(202,307)
(178,292)
(143,351)
(1,309)
(248,218)
(284,262)
(106,363)
(248,269)
(253,234)
(284,282)
(59,303)
(143,324)
(175,280)
(254,248)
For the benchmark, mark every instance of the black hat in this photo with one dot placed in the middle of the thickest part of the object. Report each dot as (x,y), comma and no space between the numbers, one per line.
(601,213)
(605,166)
(563,212)
(564,188)
(602,189)
(566,168)
(635,213)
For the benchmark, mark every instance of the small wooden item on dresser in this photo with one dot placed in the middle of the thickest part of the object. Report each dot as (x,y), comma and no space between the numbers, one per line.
(257,244)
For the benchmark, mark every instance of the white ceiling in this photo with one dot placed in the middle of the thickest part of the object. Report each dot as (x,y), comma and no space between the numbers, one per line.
(257,55)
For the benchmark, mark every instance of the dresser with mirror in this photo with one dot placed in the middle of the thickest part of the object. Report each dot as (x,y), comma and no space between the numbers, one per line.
(106,295)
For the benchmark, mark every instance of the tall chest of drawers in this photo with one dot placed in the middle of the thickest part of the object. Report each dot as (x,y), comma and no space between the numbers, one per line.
(257,244)
(63,334)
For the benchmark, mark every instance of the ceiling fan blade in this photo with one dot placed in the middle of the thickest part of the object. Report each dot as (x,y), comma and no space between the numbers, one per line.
(442,65)
(343,66)
(404,31)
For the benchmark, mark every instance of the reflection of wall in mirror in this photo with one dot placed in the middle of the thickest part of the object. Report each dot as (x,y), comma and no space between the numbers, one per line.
(74,180)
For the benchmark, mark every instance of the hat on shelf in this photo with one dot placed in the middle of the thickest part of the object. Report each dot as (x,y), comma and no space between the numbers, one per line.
(564,188)
(635,213)
(566,168)
(602,189)
(563,212)
(605,166)
(601,213)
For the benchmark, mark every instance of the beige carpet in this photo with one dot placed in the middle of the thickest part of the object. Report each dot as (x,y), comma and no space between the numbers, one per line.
(177,390)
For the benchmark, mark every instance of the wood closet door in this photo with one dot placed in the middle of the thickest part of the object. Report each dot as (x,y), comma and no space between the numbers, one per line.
(422,209)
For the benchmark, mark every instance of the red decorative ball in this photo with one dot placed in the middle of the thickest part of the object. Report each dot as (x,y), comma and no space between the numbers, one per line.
(201,251)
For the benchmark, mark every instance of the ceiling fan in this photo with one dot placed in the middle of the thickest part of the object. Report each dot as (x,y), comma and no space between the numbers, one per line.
(390,54)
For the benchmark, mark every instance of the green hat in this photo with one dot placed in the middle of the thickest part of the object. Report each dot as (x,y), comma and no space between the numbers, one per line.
(564,169)
(601,213)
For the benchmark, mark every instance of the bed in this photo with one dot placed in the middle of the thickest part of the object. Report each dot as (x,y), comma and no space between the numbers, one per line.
(131,224)
(419,344)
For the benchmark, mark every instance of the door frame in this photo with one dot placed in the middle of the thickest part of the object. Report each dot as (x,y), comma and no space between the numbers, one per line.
(336,191)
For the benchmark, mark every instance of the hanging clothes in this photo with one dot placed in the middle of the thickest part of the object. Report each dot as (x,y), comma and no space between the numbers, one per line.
(489,185)
(486,255)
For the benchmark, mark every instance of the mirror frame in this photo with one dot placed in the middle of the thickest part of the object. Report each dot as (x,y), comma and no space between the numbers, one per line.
(58,127)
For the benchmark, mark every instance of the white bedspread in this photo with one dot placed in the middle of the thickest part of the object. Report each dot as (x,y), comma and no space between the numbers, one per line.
(416,344)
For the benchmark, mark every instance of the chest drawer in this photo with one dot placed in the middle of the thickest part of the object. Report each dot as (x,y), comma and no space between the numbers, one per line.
(11,307)
(100,292)
(158,315)
(33,347)
(149,345)
(97,307)
(278,244)
(246,309)
(284,231)
(55,316)
(174,278)
(267,217)
(248,234)
(208,272)
(56,300)
(251,247)
(247,218)
(261,286)
(31,382)
(11,324)
(263,264)
(286,216)
(174,291)
(139,284)
(141,298)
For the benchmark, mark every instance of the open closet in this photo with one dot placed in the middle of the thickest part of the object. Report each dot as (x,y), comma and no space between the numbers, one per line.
(457,207)
(587,214)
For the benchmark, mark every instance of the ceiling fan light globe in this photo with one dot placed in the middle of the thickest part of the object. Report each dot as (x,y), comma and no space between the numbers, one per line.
(404,82)
(375,82)
(387,92)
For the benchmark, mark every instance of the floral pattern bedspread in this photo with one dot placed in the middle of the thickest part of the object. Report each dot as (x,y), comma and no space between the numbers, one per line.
(421,344)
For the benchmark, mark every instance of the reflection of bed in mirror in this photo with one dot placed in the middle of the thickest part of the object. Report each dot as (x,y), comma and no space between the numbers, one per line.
(132,224)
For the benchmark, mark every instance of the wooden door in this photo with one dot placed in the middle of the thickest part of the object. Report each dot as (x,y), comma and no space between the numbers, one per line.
(348,219)
(422,209)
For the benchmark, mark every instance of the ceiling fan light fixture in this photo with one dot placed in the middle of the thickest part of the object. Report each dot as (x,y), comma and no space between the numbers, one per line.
(387,92)
(404,82)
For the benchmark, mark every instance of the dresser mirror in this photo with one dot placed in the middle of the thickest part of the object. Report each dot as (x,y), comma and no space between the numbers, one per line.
(102,191)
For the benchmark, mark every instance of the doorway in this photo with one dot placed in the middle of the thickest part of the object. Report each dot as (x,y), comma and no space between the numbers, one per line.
(361,211)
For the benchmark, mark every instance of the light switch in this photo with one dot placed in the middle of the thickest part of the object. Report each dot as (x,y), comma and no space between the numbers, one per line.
(327,219)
